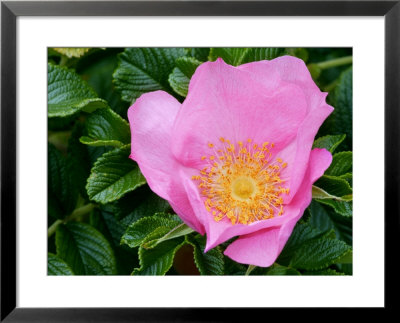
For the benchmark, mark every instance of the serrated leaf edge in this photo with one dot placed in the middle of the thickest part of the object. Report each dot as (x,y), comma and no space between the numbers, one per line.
(100,159)
(137,270)
(144,219)
(330,262)
(333,148)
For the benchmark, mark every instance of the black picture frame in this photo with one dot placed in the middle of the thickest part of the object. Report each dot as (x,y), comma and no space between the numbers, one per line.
(10,10)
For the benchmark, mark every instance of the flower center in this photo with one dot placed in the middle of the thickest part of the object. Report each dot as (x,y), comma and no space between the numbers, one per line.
(243,188)
(242,182)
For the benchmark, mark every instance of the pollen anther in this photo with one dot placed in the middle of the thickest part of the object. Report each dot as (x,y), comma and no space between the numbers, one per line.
(241,182)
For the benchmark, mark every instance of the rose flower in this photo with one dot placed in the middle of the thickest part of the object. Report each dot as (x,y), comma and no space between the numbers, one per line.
(235,159)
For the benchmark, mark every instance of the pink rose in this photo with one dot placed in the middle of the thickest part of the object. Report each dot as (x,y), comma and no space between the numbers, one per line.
(235,159)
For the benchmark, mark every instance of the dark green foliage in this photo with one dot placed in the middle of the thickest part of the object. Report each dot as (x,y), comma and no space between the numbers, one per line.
(199,53)
(341,119)
(329,142)
(67,93)
(62,192)
(209,263)
(113,175)
(85,249)
(142,70)
(78,159)
(181,74)
(141,229)
(106,128)
(97,70)
(237,56)
(341,164)
(310,249)
(329,76)
(57,267)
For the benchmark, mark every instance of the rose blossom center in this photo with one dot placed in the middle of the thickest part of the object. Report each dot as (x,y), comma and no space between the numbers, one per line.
(242,182)
(243,188)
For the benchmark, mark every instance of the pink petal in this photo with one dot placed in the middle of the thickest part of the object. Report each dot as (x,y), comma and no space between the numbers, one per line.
(261,248)
(294,70)
(151,118)
(225,101)
(290,69)
(296,154)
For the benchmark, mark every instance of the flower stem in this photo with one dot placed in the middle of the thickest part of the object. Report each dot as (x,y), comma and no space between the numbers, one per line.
(249,270)
(335,62)
(53,228)
(63,60)
(74,215)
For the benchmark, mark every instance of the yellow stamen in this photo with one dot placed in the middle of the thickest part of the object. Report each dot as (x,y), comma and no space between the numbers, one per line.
(242,183)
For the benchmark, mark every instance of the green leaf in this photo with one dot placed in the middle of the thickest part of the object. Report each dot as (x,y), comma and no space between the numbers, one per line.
(85,249)
(276,269)
(105,127)
(62,193)
(319,193)
(180,77)
(347,177)
(178,231)
(325,272)
(302,233)
(108,225)
(57,267)
(341,119)
(112,229)
(95,152)
(199,53)
(346,259)
(301,53)
(60,123)
(341,164)
(105,221)
(329,142)
(325,219)
(138,231)
(346,269)
(232,267)
(260,54)
(78,160)
(237,56)
(318,253)
(138,204)
(67,93)
(113,175)
(158,260)
(100,143)
(209,263)
(187,65)
(314,70)
(335,186)
(97,69)
(142,70)
(232,56)
(342,207)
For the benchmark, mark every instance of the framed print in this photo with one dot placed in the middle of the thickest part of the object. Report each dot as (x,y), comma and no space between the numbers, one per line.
(182,154)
